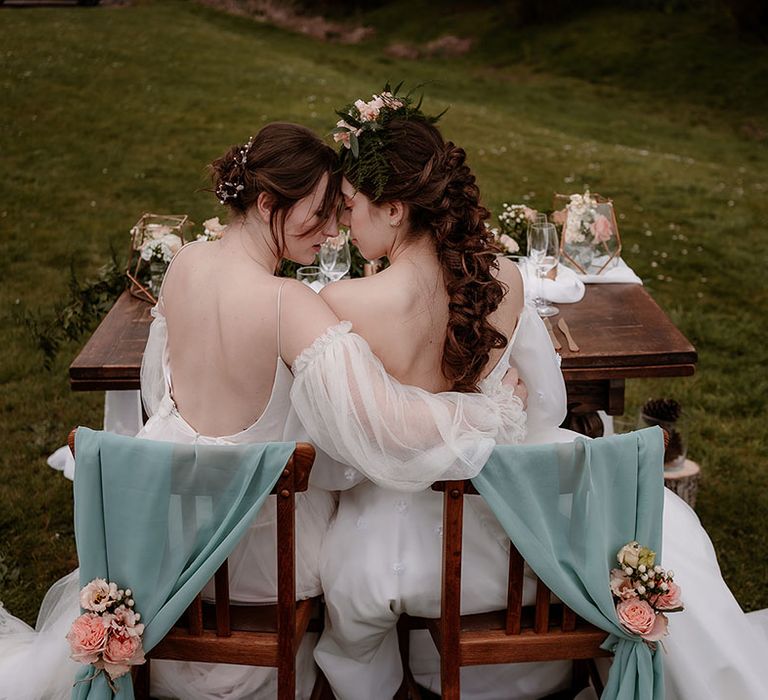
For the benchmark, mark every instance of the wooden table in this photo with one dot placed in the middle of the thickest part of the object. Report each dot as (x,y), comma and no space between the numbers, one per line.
(621,331)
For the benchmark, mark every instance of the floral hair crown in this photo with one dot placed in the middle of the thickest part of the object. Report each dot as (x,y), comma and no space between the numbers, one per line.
(361,131)
(231,190)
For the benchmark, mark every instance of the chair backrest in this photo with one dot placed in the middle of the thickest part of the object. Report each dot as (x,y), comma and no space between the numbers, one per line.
(520,640)
(287,633)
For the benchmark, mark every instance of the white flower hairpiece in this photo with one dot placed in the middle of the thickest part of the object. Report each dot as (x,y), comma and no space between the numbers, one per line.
(231,190)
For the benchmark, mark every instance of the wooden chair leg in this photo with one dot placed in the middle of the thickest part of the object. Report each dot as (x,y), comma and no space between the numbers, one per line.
(594,676)
(580,675)
(141,681)
(321,690)
(408,689)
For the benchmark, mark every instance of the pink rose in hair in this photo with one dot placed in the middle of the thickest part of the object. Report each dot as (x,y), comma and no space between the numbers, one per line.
(368,110)
(671,600)
(636,615)
(87,638)
(121,652)
(602,230)
(621,585)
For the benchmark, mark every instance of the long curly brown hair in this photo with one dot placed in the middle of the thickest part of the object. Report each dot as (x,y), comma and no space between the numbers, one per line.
(432,178)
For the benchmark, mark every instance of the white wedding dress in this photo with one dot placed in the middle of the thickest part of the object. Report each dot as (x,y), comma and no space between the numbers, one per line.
(405,427)
(381,558)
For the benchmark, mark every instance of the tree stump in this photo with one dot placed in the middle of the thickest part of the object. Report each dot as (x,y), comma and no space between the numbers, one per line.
(684,482)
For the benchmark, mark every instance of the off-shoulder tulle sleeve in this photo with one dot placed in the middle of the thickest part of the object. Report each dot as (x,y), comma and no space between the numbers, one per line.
(152,372)
(401,437)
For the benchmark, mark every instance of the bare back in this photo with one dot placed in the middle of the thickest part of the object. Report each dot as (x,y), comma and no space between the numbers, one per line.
(221,312)
(403,313)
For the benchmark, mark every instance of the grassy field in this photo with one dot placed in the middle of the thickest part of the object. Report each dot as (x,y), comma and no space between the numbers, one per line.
(111,112)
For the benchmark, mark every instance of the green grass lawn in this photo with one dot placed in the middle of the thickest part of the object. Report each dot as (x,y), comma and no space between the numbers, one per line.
(111,112)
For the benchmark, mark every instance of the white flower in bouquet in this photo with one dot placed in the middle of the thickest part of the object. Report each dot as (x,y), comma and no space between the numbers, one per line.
(161,249)
(514,221)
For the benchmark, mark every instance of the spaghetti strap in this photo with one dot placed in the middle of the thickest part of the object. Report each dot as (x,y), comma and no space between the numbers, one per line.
(170,264)
(279,302)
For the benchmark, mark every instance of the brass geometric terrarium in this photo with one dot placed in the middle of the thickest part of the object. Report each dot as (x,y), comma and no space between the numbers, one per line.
(155,239)
(589,241)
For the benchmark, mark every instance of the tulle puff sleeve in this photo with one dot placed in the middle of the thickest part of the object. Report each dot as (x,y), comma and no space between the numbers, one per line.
(153,386)
(400,437)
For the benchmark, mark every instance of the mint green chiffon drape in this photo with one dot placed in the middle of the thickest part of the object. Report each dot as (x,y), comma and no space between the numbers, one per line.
(569,508)
(160,518)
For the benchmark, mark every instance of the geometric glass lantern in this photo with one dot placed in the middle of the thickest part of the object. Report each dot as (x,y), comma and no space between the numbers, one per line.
(155,239)
(589,241)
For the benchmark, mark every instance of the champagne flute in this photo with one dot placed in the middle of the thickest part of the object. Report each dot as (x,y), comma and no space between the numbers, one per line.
(335,258)
(544,253)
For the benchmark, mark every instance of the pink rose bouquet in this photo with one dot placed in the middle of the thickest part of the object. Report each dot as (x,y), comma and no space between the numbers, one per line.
(643,592)
(108,635)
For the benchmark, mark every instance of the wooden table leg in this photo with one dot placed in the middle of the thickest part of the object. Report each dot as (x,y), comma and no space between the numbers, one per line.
(585,399)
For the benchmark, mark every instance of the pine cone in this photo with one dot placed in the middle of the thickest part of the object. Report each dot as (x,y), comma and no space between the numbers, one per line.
(675,447)
(667,410)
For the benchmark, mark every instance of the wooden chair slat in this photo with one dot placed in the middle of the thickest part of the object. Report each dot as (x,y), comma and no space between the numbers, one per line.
(195,616)
(488,647)
(542,607)
(569,620)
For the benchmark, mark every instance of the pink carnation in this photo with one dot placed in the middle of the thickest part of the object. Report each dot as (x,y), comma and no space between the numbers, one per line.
(122,651)
(87,638)
(621,585)
(601,229)
(671,600)
(636,615)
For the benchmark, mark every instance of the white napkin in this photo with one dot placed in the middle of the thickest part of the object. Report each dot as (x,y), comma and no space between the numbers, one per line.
(618,272)
(566,288)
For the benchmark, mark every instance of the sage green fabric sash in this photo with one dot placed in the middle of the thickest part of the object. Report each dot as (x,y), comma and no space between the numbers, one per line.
(160,518)
(569,508)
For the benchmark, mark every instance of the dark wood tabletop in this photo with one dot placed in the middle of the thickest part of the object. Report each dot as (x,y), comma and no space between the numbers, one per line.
(621,332)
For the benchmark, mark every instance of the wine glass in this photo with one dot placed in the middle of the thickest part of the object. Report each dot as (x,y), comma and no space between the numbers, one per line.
(335,258)
(544,253)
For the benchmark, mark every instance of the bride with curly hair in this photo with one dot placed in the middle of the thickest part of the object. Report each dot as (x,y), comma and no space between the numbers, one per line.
(449,314)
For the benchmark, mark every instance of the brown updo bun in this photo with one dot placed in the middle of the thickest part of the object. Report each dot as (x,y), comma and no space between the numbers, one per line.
(285,161)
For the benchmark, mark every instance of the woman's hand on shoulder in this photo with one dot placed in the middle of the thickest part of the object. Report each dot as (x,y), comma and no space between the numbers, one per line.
(516,385)
(304,316)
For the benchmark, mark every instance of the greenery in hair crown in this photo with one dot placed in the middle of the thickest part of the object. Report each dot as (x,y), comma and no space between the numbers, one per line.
(361,131)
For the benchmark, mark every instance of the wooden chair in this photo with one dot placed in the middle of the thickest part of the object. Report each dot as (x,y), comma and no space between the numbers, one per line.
(546,631)
(254,635)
